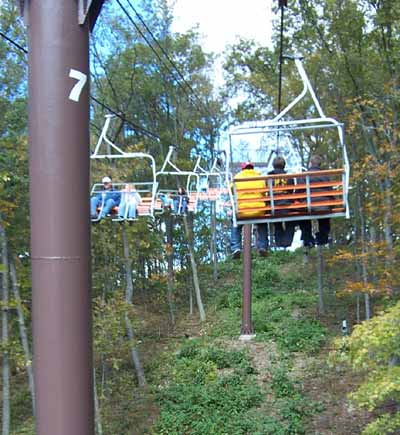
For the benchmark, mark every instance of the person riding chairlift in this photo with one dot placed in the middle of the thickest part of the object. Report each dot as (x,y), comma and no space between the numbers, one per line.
(105,200)
(129,202)
(181,202)
(248,171)
(167,200)
(284,232)
(324,225)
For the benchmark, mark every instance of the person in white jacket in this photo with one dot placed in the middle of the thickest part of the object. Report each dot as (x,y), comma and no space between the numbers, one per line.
(130,199)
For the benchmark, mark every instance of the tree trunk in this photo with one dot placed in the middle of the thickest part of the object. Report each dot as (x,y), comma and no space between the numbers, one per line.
(97,414)
(190,288)
(213,243)
(128,298)
(189,235)
(4,334)
(108,266)
(364,271)
(320,265)
(22,332)
(135,354)
(387,217)
(170,261)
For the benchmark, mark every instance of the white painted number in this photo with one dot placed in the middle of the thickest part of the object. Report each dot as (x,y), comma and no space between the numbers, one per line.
(77,89)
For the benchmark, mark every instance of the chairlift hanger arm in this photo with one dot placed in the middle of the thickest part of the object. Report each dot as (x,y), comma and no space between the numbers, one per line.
(197,165)
(306,87)
(103,137)
(167,160)
(199,169)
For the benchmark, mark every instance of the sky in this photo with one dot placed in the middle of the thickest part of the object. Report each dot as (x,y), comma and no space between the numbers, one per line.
(221,21)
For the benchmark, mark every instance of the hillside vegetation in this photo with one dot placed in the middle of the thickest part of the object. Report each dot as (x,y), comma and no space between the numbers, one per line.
(203,380)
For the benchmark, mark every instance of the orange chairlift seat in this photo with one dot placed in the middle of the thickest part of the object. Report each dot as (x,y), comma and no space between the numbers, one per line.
(146,189)
(166,179)
(306,195)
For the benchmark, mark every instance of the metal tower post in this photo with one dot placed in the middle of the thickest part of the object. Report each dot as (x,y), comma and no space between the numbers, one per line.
(59,211)
(247,326)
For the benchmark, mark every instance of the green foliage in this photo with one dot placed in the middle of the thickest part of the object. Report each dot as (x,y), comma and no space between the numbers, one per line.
(109,330)
(373,349)
(281,303)
(382,385)
(292,407)
(374,342)
(385,424)
(211,391)
(275,319)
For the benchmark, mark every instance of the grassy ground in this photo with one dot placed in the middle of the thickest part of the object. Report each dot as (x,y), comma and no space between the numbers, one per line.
(281,378)
(203,381)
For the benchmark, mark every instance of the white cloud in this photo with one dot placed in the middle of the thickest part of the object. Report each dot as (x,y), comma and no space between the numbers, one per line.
(222,21)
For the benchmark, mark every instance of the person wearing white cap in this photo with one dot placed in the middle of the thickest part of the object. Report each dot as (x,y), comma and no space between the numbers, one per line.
(105,200)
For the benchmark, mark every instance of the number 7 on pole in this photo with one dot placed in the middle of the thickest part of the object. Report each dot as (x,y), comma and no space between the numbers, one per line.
(77,89)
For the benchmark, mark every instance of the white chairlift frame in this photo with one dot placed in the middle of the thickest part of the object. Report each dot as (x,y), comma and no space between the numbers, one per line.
(213,172)
(178,172)
(279,125)
(120,154)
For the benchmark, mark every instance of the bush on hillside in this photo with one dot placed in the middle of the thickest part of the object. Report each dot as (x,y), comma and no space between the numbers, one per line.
(374,350)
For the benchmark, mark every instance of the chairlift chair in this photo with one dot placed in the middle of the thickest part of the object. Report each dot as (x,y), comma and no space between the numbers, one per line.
(168,170)
(147,189)
(211,182)
(307,199)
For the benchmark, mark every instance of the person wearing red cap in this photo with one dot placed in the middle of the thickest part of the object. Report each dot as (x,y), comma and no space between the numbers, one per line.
(262,229)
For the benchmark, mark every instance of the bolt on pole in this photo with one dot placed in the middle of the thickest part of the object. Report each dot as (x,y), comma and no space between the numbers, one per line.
(59,213)
(247,327)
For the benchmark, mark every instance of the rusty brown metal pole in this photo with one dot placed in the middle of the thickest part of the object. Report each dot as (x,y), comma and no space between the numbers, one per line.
(59,212)
(247,327)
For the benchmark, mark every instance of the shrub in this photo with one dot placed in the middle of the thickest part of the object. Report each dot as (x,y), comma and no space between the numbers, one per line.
(210,391)
(374,349)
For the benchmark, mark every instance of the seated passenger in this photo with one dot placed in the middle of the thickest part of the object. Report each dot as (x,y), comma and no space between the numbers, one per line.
(181,201)
(284,231)
(166,200)
(129,202)
(324,226)
(262,229)
(105,200)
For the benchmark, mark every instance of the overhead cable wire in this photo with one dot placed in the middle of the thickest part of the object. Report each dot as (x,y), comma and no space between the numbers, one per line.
(282,5)
(127,121)
(157,54)
(121,117)
(11,41)
(167,56)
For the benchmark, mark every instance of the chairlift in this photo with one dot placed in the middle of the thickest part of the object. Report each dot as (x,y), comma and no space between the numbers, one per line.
(211,182)
(306,199)
(191,183)
(146,189)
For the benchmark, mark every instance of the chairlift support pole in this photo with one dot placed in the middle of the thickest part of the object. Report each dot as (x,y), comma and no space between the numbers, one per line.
(59,211)
(247,326)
